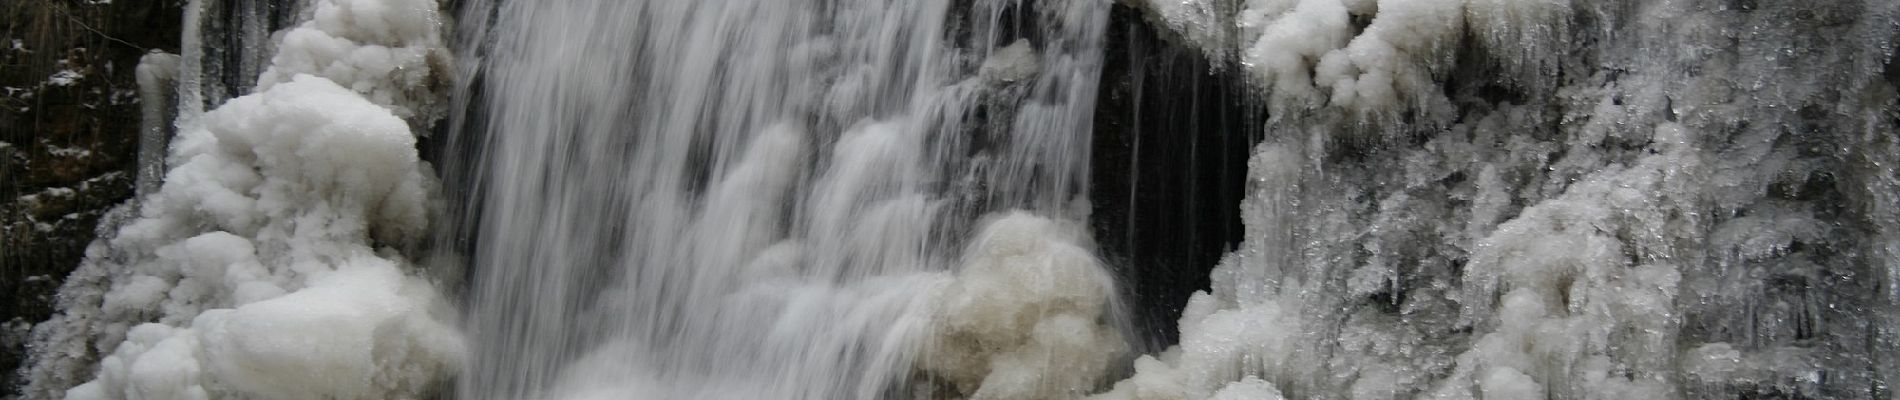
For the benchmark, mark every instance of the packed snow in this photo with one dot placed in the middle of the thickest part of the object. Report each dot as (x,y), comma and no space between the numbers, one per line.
(270,263)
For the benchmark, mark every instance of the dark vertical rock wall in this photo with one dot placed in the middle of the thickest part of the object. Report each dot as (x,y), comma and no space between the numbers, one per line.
(69,123)
(1169,161)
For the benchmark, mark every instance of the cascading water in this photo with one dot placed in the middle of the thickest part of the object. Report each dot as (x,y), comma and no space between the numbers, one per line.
(824,199)
(757,198)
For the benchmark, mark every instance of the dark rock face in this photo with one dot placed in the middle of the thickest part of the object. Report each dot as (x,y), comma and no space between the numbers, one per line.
(1168,166)
(69,123)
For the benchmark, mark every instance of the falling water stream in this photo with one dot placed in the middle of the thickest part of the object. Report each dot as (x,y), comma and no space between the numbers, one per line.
(752,198)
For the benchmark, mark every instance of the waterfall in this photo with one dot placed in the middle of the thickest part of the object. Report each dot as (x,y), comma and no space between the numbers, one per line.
(1550,199)
(756,198)
(891,199)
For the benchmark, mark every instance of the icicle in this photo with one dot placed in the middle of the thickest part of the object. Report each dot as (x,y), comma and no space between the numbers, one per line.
(190,77)
(156,74)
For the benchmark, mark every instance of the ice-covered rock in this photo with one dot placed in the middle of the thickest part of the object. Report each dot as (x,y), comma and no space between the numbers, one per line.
(1553,199)
(269,263)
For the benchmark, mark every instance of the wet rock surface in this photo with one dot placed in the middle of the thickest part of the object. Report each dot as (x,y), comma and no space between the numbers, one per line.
(1173,131)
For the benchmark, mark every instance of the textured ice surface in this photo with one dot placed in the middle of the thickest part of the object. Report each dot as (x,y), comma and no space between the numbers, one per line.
(268,263)
(1554,199)
(254,261)
(391,52)
(1372,60)
(157,73)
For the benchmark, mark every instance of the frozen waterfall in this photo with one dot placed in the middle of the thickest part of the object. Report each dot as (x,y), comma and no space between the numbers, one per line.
(905,199)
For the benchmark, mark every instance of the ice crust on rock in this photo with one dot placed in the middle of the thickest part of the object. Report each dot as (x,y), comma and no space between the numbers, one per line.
(269,264)
(1569,304)
(256,258)
(1371,60)
(1579,200)
(1203,24)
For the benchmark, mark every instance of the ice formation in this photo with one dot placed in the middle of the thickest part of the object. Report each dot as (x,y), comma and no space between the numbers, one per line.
(270,263)
(1372,60)
(390,52)
(1551,199)
(156,73)
(1457,199)
(1023,319)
